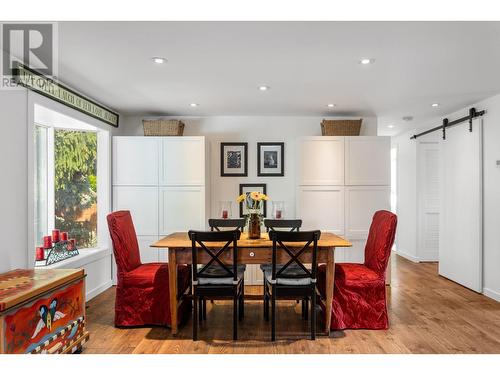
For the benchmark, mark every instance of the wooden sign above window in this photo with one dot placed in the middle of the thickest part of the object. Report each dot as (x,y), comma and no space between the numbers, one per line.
(46,86)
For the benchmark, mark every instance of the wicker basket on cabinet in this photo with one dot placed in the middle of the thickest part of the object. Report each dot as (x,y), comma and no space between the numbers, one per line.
(160,127)
(341,127)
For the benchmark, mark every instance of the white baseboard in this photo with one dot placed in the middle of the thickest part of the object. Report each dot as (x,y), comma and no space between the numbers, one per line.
(96,291)
(491,294)
(408,256)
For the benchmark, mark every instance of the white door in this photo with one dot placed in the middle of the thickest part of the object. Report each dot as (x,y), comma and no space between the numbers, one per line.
(135,161)
(321,207)
(148,253)
(460,240)
(428,200)
(182,208)
(182,161)
(361,204)
(321,161)
(142,202)
(368,160)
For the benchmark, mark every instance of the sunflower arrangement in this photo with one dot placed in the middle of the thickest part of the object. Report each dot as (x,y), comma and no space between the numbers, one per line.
(253,200)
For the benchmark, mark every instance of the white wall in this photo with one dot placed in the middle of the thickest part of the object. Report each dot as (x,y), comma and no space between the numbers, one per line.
(252,130)
(491,190)
(13,180)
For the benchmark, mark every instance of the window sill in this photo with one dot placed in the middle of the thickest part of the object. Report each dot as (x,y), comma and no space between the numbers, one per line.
(86,256)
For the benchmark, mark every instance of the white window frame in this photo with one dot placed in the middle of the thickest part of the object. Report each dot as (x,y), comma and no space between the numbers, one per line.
(57,116)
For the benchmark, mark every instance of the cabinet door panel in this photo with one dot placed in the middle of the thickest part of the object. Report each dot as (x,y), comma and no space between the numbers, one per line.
(367,161)
(142,202)
(353,254)
(135,161)
(183,161)
(322,207)
(361,203)
(321,161)
(182,209)
(148,254)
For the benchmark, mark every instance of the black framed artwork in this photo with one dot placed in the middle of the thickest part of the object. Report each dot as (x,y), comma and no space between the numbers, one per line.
(248,188)
(233,159)
(270,159)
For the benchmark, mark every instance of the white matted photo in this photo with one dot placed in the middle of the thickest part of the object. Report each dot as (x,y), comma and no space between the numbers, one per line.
(233,159)
(271,159)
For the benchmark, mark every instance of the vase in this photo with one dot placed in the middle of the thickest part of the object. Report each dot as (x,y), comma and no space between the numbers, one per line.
(254,226)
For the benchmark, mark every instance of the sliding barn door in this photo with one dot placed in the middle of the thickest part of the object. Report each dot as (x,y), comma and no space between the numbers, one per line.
(460,246)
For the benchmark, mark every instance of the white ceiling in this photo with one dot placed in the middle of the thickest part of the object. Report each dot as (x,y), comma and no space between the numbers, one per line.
(307,65)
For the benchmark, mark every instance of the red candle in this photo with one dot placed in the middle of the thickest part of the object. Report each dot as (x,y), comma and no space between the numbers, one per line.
(47,242)
(55,235)
(72,244)
(224,214)
(64,236)
(40,253)
(278,214)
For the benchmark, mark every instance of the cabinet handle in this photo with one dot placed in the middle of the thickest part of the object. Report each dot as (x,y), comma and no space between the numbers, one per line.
(252,254)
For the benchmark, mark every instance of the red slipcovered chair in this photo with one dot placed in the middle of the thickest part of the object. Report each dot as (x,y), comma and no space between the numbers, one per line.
(359,299)
(142,294)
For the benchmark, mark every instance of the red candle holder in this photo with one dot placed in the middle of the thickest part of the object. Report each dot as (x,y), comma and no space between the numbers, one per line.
(64,236)
(47,242)
(224,214)
(40,253)
(55,235)
(72,244)
(278,214)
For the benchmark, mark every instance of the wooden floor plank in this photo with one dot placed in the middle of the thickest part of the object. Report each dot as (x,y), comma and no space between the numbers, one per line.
(428,314)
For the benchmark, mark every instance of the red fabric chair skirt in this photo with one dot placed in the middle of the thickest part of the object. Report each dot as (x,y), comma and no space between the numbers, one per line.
(359,297)
(142,295)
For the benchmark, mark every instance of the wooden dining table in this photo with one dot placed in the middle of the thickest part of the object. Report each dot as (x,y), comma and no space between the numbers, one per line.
(250,251)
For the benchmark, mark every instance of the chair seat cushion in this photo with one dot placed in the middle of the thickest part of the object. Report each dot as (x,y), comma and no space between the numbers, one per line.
(220,275)
(350,275)
(294,271)
(151,274)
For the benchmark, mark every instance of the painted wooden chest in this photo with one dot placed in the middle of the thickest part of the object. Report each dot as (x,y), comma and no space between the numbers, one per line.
(42,311)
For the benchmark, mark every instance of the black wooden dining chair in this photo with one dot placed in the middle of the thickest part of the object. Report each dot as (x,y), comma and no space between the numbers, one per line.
(216,224)
(292,225)
(215,278)
(292,280)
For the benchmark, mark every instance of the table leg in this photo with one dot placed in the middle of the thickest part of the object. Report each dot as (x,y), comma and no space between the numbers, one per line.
(330,277)
(172,280)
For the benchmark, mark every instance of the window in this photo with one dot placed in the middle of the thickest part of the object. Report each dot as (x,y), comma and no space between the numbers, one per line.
(75,185)
(67,176)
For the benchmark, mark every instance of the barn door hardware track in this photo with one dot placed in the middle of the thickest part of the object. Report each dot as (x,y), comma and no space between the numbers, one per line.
(446,123)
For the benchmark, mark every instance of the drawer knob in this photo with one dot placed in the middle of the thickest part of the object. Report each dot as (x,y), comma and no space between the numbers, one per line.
(252,254)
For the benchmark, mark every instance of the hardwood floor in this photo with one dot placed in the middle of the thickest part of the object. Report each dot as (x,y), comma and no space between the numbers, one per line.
(428,314)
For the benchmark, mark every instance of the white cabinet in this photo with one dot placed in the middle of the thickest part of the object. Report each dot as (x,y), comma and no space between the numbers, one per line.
(321,161)
(182,161)
(142,202)
(148,254)
(135,161)
(161,180)
(181,208)
(368,161)
(361,202)
(322,207)
(342,182)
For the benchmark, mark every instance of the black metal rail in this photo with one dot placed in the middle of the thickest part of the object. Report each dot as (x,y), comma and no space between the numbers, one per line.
(446,124)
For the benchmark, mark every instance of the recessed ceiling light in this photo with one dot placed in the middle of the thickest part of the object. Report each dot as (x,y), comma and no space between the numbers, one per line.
(435,105)
(193,105)
(366,61)
(264,88)
(159,60)
(330,105)
(390,126)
